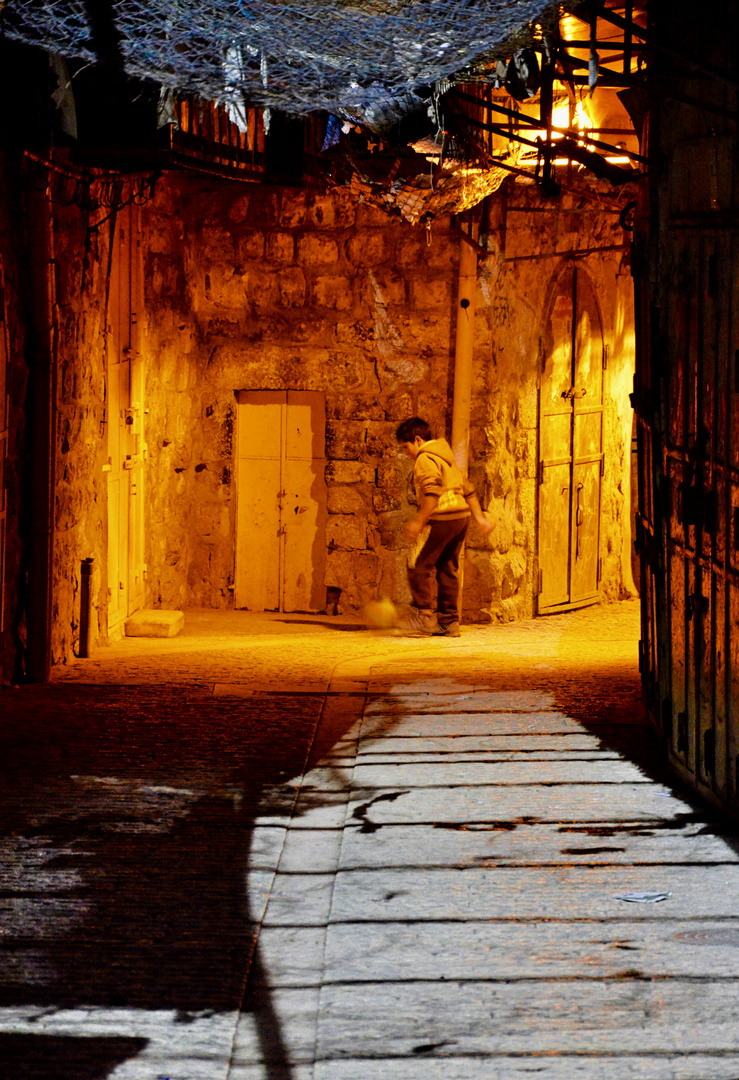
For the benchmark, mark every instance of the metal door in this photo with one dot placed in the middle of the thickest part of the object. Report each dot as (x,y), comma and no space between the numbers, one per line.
(3,455)
(281,514)
(124,420)
(570,447)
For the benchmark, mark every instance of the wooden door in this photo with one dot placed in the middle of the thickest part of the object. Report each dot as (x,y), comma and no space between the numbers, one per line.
(124,421)
(281,513)
(570,447)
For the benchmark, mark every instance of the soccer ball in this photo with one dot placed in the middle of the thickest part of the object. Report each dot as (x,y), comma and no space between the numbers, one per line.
(380,614)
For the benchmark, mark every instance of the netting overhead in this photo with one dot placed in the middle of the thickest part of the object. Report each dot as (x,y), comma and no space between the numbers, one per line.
(360,59)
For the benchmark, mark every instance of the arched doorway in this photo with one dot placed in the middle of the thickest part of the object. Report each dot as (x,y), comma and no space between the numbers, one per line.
(570,446)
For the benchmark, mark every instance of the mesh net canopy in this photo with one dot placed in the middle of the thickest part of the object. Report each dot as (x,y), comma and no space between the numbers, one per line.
(364,60)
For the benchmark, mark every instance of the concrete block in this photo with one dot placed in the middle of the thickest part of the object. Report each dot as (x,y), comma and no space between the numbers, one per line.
(151,623)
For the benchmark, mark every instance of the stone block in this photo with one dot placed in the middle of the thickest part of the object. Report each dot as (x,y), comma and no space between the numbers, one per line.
(359,407)
(346,532)
(398,406)
(239,209)
(431,293)
(371,216)
(154,623)
(501,537)
(261,289)
(345,439)
(280,247)
(291,209)
(291,288)
(513,573)
(349,472)
(359,332)
(332,291)
(367,568)
(343,499)
(339,568)
(385,501)
(528,405)
(214,246)
(384,286)
(370,248)
(330,211)
(380,437)
(526,456)
(316,250)
(397,370)
(413,251)
(249,246)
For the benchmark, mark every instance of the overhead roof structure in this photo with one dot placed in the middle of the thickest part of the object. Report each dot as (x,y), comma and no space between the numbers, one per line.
(359,59)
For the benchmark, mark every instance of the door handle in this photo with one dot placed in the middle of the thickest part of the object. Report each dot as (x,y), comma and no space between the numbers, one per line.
(578,521)
(300,509)
(572,393)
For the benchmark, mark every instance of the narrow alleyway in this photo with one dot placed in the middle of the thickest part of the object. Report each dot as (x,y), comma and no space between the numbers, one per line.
(286,848)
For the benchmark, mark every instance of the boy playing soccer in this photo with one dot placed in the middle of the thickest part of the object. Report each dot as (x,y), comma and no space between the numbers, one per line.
(438,528)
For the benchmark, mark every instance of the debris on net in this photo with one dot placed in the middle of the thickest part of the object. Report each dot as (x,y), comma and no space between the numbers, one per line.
(360,59)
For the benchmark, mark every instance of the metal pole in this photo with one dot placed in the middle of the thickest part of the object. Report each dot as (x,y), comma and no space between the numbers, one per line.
(85,606)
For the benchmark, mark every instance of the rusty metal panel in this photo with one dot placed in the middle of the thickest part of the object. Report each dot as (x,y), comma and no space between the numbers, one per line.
(4,352)
(675,703)
(732,704)
(719,684)
(687,397)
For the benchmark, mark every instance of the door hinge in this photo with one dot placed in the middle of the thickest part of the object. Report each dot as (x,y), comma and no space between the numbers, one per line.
(540,477)
(540,584)
(603,466)
(600,571)
(606,350)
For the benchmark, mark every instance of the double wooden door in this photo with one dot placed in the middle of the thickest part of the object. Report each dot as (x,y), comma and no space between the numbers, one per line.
(281,509)
(570,447)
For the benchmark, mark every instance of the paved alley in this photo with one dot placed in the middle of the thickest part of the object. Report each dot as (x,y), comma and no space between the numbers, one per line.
(286,848)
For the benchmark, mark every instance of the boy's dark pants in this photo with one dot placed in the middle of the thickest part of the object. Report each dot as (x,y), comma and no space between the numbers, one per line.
(440,554)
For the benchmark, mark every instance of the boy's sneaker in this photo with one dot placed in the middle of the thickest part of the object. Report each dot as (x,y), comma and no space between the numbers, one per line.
(448,630)
(418,622)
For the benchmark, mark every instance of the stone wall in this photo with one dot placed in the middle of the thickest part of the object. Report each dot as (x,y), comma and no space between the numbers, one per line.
(79,294)
(257,288)
(250,287)
(15,472)
(81,250)
(526,237)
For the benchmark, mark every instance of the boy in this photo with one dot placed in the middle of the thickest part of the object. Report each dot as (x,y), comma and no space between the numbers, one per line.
(445,502)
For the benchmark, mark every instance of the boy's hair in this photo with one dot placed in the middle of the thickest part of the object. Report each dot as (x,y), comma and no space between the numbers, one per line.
(408,430)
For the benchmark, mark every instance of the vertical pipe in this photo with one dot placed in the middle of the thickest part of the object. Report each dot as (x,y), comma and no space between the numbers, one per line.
(85,606)
(41,422)
(463,351)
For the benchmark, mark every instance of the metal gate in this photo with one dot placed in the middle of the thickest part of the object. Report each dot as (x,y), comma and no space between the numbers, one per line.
(687,403)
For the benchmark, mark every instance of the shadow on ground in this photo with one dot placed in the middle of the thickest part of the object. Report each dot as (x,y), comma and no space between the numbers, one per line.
(127,822)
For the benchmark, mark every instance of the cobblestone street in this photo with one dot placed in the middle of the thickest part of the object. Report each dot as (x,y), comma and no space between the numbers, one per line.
(287,848)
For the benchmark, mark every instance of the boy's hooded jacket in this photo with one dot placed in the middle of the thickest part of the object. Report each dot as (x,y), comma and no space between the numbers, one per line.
(435,472)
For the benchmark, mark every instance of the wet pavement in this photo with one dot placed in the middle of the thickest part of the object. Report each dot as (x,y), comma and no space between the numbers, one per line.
(286,848)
